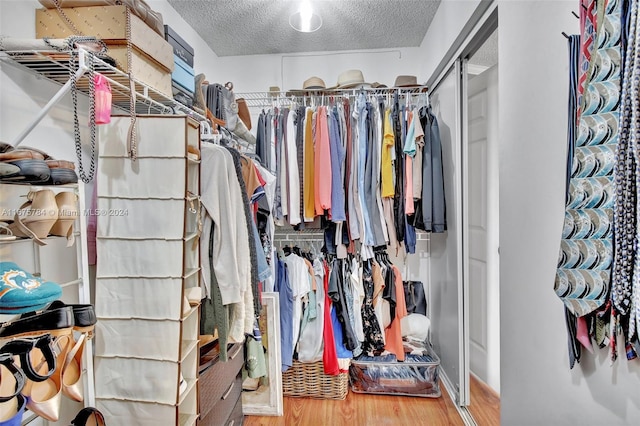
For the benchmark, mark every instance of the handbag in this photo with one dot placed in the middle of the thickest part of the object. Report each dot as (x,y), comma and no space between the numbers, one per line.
(414,297)
(243,112)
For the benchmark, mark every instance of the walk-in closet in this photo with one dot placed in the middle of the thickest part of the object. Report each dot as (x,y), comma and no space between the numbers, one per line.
(319,212)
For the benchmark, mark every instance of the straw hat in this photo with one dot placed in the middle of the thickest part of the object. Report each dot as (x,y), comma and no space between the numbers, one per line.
(313,83)
(406,81)
(274,91)
(350,79)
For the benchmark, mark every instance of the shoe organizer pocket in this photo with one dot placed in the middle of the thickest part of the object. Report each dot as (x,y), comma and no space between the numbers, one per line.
(148,178)
(153,218)
(119,412)
(157,137)
(134,298)
(188,409)
(137,379)
(139,258)
(193,177)
(190,331)
(191,257)
(138,338)
(192,209)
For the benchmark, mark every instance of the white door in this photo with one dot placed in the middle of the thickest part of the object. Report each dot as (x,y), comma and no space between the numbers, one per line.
(482,227)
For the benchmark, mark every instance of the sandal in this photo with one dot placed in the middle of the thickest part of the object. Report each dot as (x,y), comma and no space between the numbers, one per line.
(84,321)
(23,348)
(67,203)
(11,412)
(36,216)
(5,233)
(44,397)
(6,360)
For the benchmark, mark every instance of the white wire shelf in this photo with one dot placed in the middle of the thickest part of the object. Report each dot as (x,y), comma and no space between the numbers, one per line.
(304,97)
(55,66)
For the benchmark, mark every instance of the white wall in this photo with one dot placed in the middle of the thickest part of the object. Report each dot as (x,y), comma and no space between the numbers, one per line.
(537,386)
(451,17)
(256,73)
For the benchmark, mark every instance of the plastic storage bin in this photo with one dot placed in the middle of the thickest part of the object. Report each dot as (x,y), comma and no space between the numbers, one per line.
(416,376)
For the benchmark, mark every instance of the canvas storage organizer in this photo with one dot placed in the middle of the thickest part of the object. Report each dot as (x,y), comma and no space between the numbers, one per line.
(416,376)
(148,256)
(151,55)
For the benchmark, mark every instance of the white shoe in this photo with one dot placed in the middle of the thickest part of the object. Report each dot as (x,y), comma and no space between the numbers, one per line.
(7,169)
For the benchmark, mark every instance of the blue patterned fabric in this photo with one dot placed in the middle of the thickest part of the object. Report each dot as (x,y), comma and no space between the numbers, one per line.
(585,262)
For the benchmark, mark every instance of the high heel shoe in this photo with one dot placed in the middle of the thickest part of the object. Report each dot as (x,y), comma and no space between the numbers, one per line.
(23,348)
(84,320)
(13,416)
(67,203)
(36,217)
(44,397)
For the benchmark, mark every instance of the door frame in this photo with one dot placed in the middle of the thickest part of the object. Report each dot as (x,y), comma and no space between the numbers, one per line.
(480,26)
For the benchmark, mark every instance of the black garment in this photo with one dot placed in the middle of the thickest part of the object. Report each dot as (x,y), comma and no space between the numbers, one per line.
(338,298)
(389,291)
(373,342)
(398,198)
(263,150)
(434,206)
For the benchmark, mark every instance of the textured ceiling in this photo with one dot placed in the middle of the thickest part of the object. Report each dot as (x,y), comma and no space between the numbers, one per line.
(251,27)
(487,55)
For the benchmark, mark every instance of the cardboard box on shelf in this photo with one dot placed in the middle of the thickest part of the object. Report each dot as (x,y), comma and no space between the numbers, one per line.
(108,23)
(143,69)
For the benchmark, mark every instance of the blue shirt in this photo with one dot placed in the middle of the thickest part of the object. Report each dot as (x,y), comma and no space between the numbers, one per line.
(283,287)
(338,154)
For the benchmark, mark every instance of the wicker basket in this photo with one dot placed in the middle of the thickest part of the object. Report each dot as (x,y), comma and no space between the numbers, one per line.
(308,380)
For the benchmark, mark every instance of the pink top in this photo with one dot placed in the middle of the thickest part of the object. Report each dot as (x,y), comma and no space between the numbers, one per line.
(322,163)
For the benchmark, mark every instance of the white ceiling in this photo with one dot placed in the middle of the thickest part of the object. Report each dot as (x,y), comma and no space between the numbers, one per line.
(251,27)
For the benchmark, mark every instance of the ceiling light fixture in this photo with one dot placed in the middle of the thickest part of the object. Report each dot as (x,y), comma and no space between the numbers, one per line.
(305,20)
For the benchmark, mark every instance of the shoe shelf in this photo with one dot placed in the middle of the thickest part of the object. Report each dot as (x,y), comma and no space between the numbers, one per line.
(58,67)
(56,261)
(148,332)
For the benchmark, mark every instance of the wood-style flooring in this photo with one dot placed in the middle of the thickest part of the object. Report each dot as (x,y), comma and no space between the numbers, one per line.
(485,403)
(367,410)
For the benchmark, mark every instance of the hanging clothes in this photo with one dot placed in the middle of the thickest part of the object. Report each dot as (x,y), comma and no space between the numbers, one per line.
(310,343)
(285,296)
(373,341)
(329,354)
(393,333)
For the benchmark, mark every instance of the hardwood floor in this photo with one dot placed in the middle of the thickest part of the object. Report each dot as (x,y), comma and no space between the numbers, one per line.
(385,410)
(485,403)
(364,410)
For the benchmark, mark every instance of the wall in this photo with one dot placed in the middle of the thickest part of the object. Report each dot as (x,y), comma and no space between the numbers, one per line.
(537,385)
(450,19)
(256,73)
